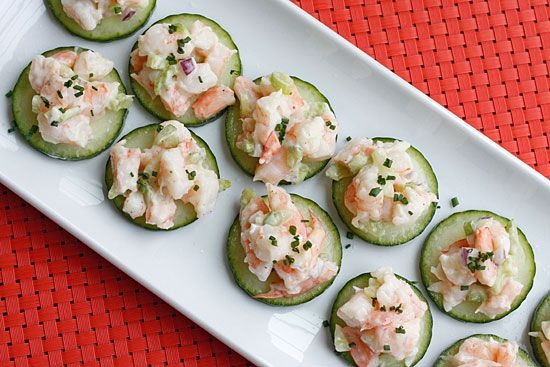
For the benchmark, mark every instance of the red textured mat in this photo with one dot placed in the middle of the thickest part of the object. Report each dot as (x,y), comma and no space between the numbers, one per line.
(487,61)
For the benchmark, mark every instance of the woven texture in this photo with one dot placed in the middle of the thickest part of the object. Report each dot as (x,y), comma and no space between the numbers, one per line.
(487,61)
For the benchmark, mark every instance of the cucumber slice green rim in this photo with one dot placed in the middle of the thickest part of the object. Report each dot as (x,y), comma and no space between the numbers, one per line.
(233,127)
(362,281)
(109,29)
(451,230)
(383,233)
(232,70)
(250,283)
(105,129)
(542,313)
(143,138)
(442,361)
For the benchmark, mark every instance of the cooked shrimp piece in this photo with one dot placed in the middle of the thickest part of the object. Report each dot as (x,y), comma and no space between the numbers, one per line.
(501,302)
(247,93)
(74,131)
(134,204)
(125,165)
(203,36)
(479,352)
(171,173)
(66,57)
(204,192)
(84,12)
(213,101)
(161,209)
(276,170)
(91,65)
(218,57)
(176,100)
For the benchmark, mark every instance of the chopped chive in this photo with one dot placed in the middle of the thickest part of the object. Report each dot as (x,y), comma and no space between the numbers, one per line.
(91,75)
(94,88)
(131,174)
(172,28)
(74,77)
(62,110)
(454,202)
(410,212)
(182,42)
(386,347)
(383,308)
(159,128)
(332,127)
(33,130)
(292,230)
(307,245)
(200,79)
(59,94)
(305,221)
(10,130)
(144,175)
(273,240)
(401,198)
(348,138)
(154,173)
(9,94)
(464,287)
(68,83)
(400,330)
(381,180)
(196,188)
(55,123)
(117,9)
(390,178)
(349,235)
(325,323)
(352,344)
(191,175)
(92,113)
(46,102)
(288,260)
(78,94)
(274,261)
(373,301)
(375,191)
(387,163)
(296,242)
(233,71)
(171,59)
(348,246)
(78,87)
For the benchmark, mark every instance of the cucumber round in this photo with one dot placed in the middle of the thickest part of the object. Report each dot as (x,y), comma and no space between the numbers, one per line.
(109,29)
(451,230)
(233,128)
(105,129)
(362,281)
(385,233)
(523,357)
(143,137)
(542,313)
(232,70)
(332,250)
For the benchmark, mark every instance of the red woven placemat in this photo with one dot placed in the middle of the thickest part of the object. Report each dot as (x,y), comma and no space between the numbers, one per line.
(487,61)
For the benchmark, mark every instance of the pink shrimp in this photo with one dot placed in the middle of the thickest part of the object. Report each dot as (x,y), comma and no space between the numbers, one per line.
(66,57)
(213,101)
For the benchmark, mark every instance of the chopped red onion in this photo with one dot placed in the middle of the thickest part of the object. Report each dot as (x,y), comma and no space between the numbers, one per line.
(128,15)
(465,253)
(187,66)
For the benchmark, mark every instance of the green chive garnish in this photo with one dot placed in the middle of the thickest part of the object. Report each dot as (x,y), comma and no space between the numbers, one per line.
(59,94)
(375,191)
(55,123)
(9,94)
(454,202)
(387,163)
(273,240)
(464,287)
(400,330)
(172,28)
(171,59)
(386,347)
(292,230)
(196,188)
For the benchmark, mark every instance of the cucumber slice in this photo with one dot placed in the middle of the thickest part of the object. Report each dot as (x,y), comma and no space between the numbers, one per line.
(233,128)
(362,281)
(451,230)
(143,138)
(109,29)
(332,251)
(105,130)
(524,359)
(542,313)
(232,70)
(384,233)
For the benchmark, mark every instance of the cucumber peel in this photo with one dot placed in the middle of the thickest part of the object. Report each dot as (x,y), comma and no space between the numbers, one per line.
(109,29)
(443,361)
(232,70)
(542,313)
(362,281)
(144,137)
(248,281)
(233,127)
(105,129)
(385,233)
(451,230)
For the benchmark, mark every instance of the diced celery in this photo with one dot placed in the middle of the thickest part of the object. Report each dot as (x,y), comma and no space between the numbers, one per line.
(277,217)
(167,137)
(246,196)
(379,157)
(477,294)
(338,171)
(294,156)
(120,102)
(282,81)
(341,344)
(156,62)
(224,184)
(358,162)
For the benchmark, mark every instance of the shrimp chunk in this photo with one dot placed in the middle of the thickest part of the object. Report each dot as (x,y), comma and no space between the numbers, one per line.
(479,352)
(134,204)
(204,192)
(85,12)
(125,165)
(213,101)
(91,65)
(74,131)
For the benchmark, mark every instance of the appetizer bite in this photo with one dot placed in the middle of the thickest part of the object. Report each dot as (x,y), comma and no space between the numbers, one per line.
(477,266)
(163,176)
(183,68)
(283,249)
(281,130)
(384,189)
(381,319)
(484,350)
(540,332)
(70,103)
(102,20)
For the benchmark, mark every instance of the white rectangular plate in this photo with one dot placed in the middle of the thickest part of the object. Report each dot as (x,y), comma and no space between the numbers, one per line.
(187,267)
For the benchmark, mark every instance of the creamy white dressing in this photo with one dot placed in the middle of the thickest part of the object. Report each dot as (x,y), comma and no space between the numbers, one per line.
(89,13)
(386,186)
(70,95)
(182,67)
(173,169)
(384,318)
(277,237)
(282,129)
(479,268)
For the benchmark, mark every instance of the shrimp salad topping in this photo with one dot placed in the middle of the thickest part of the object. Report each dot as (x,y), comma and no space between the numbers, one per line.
(383,319)
(480,268)
(89,13)
(476,351)
(282,129)
(182,67)
(278,237)
(70,95)
(544,336)
(173,169)
(385,186)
